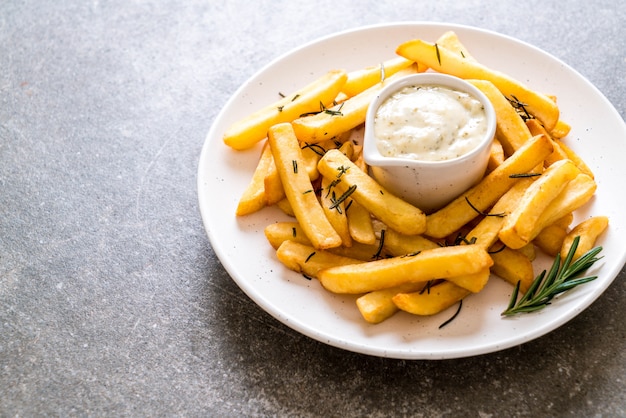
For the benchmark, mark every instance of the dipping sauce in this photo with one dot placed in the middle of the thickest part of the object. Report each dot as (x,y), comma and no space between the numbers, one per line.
(429,123)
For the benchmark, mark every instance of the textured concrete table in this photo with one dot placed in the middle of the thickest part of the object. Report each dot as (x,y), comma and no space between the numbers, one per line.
(112,301)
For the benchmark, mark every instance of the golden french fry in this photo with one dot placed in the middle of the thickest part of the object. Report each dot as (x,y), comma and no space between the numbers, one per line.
(485,233)
(311,153)
(529,251)
(339,118)
(246,132)
(253,198)
(359,161)
(360,223)
(389,209)
(298,188)
(272,184)
(437,299)
(285,206)
(550,239)
(363,252)
(577,192)
(537,129)
(520,224)
(378,305)
(510,127)
(445,61)
(474,282)
(561,130)
(588,230)
(279,232)
(308,260)
(432,264)
(335,211)
(451,41)
(512,266)
(362,79)
(496,156)
(398,244)
(347,149)
(459,212)
(580,163)
(565,221)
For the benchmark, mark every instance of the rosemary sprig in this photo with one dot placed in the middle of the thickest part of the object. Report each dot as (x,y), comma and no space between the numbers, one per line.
(458,310)
(480,212)
(524,175)
(559,279)
(438,54)
(520,107)
(343,197)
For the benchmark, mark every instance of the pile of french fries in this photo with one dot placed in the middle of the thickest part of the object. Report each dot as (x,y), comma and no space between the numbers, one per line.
(355,237)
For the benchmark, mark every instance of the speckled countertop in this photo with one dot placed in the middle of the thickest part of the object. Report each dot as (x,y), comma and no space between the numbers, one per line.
(112,302)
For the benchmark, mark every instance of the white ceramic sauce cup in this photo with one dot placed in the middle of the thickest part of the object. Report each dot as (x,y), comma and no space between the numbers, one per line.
(429,185)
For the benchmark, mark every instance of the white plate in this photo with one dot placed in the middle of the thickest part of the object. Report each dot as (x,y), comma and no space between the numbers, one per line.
(598,134)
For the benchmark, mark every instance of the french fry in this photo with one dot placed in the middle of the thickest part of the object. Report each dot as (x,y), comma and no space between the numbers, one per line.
(398,244)
(510,127)
(445,61)
(298,188)
(513,266)
(577,192)
(359,161)
(439,298)
(588,230)
(485,233)
(248,131)
(432,264)
(339,118)
(565,221)
(362,79)
(272,184)
(335,211)
(537,129)
(285,206)
(580,163)
(496,155)
(309,261)
(550,239)
(451,41)
(520,224)
(279,232)
(378,305)
(253,198)
(389,209)
(529,251)
(360,223)
(561,130)
(474,282)
(311,154)
(457,213)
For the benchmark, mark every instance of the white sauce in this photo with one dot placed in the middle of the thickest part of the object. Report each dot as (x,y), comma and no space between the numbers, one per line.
(431,123)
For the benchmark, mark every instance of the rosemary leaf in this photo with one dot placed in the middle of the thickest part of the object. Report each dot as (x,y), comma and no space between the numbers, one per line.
(548,284)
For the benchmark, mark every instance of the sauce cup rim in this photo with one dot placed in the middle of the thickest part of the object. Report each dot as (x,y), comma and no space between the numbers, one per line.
(371,154)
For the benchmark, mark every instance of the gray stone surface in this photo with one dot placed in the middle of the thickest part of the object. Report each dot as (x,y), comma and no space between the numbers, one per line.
(112,301)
